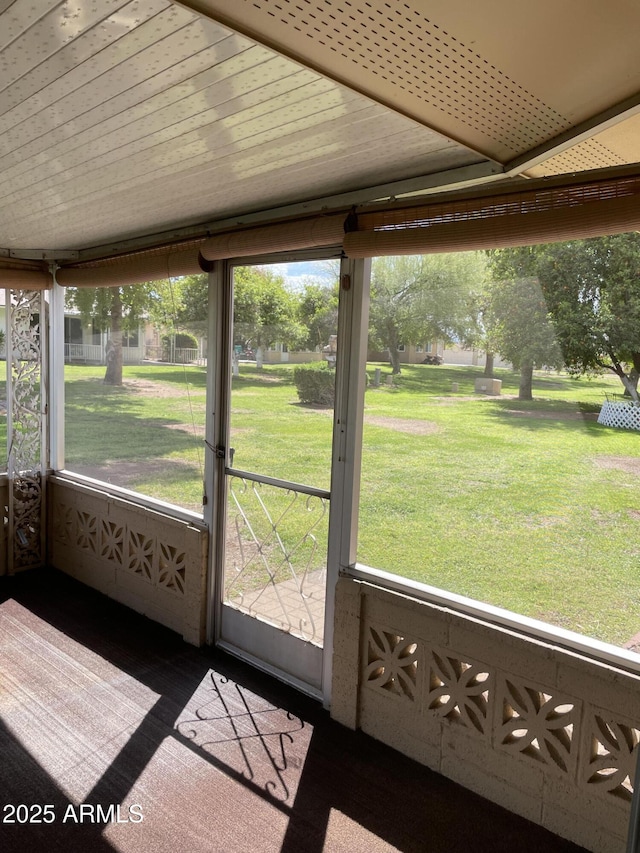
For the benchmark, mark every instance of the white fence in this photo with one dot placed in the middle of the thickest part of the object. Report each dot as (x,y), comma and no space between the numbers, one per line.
(95,354)
(622,414)
(174,355)
(84,352)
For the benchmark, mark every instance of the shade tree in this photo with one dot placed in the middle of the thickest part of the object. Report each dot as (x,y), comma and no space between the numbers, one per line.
(416,298)
(121,309)
(591,290)
(318,312)
(519,327)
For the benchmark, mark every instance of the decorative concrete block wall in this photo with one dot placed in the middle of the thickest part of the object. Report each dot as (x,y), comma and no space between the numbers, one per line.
(544,732)
(148,560)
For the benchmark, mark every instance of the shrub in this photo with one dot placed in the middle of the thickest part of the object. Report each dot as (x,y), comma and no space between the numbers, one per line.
(182,341)
(315,383)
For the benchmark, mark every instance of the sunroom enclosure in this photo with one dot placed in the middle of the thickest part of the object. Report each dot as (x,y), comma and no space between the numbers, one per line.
(538,719)
(145,141)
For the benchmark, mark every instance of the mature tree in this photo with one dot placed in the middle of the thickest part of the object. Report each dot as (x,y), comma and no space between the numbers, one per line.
(318,312)
(481,334)
(192,300)
(118,310)
(592,292)
(425,297)
(520,330)
(264,311)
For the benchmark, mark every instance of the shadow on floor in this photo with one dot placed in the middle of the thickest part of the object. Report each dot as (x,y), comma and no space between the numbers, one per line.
(139,742)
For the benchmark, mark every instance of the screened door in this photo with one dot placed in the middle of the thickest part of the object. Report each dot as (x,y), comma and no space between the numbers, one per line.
(280,367)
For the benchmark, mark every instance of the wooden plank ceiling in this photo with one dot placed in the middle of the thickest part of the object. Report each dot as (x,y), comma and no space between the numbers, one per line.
(121,118)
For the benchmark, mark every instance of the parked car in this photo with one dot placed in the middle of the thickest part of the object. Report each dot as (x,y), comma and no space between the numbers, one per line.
(432,359)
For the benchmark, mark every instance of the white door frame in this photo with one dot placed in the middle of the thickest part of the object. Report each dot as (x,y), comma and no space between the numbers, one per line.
(353,333)
(347,442)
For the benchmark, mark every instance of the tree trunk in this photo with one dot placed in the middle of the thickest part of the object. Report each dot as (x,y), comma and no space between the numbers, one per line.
(259,358)
(113,373)
(394,359)
(526,381)
(488,365)
(631,385)
(630,380)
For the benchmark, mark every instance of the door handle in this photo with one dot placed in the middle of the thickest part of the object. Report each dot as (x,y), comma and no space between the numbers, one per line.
(221,452)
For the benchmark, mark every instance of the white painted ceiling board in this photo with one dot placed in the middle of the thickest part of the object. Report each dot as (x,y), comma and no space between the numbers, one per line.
(56,52)
(124,117)
(133,116)
(120,139)
(270,172)
(144,99)
(176,143)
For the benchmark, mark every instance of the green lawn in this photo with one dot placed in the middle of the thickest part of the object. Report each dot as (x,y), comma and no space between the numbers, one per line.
(146,435)
(529,506)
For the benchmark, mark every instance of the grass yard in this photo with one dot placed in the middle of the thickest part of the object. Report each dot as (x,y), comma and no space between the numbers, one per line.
(529,506)
(146,435)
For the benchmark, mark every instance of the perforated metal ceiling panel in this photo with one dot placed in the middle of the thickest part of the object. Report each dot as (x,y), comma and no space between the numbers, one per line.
(615,146)
(502,77)
(120,118)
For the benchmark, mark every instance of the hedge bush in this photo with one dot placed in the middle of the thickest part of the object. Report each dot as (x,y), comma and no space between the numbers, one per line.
(182,341)
(315,383)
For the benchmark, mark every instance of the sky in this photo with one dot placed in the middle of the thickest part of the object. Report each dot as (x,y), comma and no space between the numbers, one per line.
(298,273)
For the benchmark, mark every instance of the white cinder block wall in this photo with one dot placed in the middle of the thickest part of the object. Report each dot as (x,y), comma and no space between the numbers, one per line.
(148,560)
(542,731)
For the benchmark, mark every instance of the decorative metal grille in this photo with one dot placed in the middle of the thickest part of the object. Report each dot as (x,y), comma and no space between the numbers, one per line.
(25,428)
(276,552)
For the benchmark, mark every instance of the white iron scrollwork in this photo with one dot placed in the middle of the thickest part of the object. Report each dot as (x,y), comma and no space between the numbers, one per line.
(276,551)
(26,310)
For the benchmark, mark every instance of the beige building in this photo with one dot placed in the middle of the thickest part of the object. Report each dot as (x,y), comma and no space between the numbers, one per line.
(410,353)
